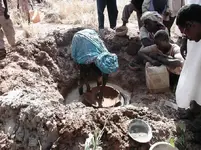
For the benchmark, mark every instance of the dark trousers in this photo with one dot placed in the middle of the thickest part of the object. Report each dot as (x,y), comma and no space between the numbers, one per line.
(169,24)
(112,12)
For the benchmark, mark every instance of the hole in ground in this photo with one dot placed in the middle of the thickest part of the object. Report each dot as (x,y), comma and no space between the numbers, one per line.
(73,95)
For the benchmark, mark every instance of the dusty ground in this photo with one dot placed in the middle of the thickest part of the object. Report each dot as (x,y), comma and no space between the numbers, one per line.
(37,75)
(34,75)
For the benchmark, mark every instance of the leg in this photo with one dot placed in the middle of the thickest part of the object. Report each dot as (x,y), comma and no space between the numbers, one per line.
(2,47)
(112,12)
(9,31)
(127,11)
(81,80)
(139,15)
(169,24)
(173,81)
(1,38)
(101,6)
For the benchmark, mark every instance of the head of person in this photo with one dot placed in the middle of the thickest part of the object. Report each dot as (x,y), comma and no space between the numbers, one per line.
(189,21)
(152,21)
(162,40)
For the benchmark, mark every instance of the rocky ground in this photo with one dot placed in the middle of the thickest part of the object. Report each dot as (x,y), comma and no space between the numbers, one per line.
(36,77)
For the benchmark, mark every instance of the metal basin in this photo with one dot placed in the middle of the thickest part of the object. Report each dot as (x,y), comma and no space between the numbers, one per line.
(140,131)
(162,146)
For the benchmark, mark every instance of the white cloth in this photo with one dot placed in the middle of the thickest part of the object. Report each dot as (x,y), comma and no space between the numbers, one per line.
(189,85)
(193,2)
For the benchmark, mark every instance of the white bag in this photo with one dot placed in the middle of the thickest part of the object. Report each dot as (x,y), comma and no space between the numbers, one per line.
(189,85)
(157,78)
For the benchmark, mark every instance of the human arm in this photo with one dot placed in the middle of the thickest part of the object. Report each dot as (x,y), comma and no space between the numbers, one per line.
(31,4)
(183,48)
(145,38)
(18,5)
(146,53)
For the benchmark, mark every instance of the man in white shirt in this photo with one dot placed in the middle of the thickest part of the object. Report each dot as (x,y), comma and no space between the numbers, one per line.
(188,93)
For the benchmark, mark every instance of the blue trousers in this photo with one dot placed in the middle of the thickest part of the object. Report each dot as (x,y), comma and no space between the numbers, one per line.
(112,12)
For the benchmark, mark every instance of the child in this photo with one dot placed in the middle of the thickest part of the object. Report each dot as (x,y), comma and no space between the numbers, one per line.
(6,27)
(163,52)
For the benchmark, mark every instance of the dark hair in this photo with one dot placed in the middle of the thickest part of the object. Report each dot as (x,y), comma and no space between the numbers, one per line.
(162,35)
(188,13)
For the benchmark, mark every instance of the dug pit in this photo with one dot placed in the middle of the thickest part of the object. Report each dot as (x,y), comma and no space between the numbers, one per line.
(34,78)
(114,96)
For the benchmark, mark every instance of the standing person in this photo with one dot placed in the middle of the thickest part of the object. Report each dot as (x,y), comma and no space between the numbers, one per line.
(161,6)
(188,93)
(174,6)
(23,5)
(6,27)
(112,13)
(135,5)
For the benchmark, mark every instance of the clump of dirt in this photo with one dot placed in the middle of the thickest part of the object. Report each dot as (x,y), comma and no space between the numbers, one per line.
(34,79)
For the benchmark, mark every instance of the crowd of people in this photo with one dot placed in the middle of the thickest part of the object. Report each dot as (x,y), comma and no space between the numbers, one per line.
(155,19)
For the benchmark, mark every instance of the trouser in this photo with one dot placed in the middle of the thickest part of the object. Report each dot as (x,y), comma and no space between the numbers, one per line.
(112,12)
(169,23)
(6,28)
(128,9)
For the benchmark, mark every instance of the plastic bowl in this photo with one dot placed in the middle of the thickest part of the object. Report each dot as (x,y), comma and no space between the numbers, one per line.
(162,146)
(140,131)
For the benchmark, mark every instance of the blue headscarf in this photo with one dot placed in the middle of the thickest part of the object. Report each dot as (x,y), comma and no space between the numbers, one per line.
(88,48)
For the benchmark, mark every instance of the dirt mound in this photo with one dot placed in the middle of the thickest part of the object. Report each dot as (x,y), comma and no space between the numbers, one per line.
(34,79)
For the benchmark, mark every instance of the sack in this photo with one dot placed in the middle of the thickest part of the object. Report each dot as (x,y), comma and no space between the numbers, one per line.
(157,78)
(189,85)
